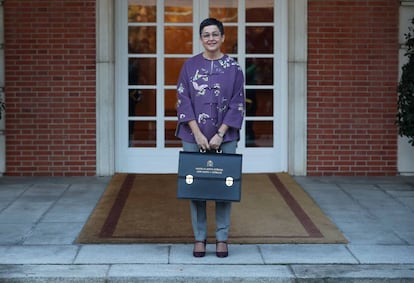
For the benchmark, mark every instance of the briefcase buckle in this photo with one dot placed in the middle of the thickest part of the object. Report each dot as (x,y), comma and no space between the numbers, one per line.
(189,179)
(229,181)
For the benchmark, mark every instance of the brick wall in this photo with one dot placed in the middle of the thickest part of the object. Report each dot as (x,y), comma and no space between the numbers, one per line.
(352,79)
(50,87)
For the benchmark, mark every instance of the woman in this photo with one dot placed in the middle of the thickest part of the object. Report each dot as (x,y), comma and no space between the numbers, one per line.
(210,111)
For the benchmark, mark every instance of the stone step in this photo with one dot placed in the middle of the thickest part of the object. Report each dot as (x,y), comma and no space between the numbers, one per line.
(160,273)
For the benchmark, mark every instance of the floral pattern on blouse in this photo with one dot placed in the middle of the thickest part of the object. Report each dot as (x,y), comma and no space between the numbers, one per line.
(210,92)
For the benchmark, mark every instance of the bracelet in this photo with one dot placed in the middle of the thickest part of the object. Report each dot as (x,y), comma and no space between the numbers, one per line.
(220,134)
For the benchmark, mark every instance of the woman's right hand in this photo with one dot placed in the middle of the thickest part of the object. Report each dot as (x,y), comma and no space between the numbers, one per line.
(201,141)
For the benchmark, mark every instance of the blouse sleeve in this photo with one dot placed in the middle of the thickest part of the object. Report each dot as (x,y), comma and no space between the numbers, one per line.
(185,111)
(235,114)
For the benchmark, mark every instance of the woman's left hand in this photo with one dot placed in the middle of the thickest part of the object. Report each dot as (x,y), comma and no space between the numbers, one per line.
(215,142)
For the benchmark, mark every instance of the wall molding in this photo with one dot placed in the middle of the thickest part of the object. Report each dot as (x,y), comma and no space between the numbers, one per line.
(105,88)
(297,89)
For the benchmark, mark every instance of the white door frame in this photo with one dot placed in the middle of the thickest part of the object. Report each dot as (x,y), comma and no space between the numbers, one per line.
(296,151)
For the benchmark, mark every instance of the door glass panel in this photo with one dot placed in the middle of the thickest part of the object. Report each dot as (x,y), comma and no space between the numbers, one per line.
(142,11)
(251,70)
(263,70)
(230,43)
(133,71)
(224,10)
(262,103)
(178,40)
(227,12)
(170,139)
(259,133)
(259,11)
(178,11)
(142,71)
(142,40)
(259,102)
(172,70)
(142,134)
(170,101)
(259,40)
(142,102)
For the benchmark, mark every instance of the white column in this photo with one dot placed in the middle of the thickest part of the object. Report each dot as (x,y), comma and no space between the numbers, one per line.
(105,88)
(297,92)
(2,96)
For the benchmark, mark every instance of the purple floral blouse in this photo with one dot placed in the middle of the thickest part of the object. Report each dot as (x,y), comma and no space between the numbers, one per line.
(212,93)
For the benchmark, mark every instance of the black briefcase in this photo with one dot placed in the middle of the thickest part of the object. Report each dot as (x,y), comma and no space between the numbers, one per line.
(209,176)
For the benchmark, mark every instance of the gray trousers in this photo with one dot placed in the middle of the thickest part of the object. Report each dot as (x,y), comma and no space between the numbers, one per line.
(199,208)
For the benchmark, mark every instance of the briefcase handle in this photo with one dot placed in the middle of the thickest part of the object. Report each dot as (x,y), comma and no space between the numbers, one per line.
(219,150)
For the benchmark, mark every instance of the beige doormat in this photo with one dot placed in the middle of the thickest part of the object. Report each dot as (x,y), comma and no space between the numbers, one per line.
(143,208)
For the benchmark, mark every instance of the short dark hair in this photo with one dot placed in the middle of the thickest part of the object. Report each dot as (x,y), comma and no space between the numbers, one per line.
(212,22)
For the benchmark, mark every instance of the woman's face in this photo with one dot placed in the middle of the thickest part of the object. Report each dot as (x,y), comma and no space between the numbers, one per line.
(211,38)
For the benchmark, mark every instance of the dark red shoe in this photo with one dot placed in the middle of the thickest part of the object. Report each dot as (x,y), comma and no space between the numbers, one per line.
(199,248)
(222,249)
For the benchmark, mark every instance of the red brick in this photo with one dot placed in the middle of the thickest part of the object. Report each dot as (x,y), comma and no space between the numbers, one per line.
(50,85)
(346,65)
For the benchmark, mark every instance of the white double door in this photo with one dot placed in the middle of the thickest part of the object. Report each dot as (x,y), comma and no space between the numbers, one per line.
(154,38)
